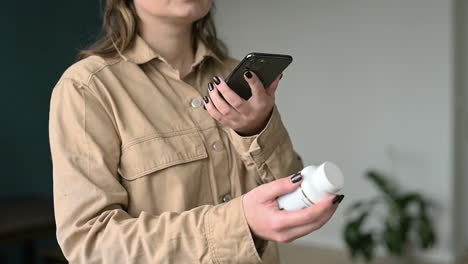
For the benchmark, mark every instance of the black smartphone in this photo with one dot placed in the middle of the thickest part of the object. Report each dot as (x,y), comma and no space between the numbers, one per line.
(265,65)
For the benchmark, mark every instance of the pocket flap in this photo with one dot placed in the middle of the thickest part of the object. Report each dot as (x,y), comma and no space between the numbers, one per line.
(160,152)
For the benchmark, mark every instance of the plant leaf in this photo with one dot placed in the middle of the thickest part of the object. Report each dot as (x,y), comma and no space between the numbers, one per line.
(383,184)
(364,205)
(405,200)
(427,237)
(392,239)
(359,243)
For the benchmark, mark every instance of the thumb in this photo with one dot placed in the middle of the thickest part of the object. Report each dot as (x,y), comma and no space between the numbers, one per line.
(280,187)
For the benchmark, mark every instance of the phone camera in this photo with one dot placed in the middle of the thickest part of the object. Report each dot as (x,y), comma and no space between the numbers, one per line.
(257,64)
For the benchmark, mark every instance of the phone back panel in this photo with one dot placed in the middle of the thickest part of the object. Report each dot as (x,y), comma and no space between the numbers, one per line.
(266,66)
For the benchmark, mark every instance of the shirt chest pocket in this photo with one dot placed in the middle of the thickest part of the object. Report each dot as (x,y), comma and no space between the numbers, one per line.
(150,155)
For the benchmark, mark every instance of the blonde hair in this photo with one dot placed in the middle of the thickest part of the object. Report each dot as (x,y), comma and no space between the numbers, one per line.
(119,30)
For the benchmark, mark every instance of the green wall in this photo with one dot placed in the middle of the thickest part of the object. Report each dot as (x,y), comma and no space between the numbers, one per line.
(39,40)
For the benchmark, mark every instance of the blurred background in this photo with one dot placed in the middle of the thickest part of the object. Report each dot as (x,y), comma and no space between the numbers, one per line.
(376,85)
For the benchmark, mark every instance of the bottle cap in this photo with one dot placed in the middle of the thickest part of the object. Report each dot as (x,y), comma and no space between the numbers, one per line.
(326,178)
(331,177)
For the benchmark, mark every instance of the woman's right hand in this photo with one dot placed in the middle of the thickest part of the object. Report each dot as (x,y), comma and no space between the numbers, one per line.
(268,222)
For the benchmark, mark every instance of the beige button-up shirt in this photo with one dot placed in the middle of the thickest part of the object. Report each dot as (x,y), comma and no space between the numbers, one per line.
(143,174)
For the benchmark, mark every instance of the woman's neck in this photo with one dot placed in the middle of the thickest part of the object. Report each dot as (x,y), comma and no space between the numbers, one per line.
(173,41)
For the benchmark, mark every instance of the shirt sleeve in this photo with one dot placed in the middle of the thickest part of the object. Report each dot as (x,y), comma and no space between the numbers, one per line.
(93,225)
(270,153)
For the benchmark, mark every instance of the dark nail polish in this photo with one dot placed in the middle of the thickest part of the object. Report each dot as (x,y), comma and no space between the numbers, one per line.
(204,107)
(216,80)
(336,199)
(281,76)
(210,87)
(248,74)
(296,178)
(341,199)
(206,99)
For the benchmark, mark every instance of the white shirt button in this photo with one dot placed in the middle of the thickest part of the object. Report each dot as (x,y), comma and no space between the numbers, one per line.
(196,102)
(217,146)
(227,198)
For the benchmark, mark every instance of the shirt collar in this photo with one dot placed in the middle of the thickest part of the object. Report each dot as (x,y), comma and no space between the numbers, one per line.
(141,52)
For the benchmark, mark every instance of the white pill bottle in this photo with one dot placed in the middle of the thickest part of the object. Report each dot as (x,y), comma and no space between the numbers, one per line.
(318,183)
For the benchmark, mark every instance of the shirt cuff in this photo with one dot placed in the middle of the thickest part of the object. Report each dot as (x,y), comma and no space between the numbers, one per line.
(261,146)
(228,234)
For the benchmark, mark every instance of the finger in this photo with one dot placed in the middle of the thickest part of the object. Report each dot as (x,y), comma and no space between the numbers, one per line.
(255,84)
(307,215)
(300,231)
(222,106)
(271,90)
(272,190)
(237,102)
(213,111)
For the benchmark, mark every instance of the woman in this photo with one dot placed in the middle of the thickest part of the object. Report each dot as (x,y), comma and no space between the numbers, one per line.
(144,174)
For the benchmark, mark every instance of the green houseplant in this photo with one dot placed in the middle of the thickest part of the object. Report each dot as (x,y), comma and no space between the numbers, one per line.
(400,219)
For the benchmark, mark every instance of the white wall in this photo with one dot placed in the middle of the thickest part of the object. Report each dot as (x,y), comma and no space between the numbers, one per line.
(369,78)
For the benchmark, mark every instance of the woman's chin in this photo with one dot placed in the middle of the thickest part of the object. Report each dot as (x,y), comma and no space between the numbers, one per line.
(189,17)
(191,10)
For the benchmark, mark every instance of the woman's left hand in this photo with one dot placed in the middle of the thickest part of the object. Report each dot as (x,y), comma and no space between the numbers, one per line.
(246,117)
